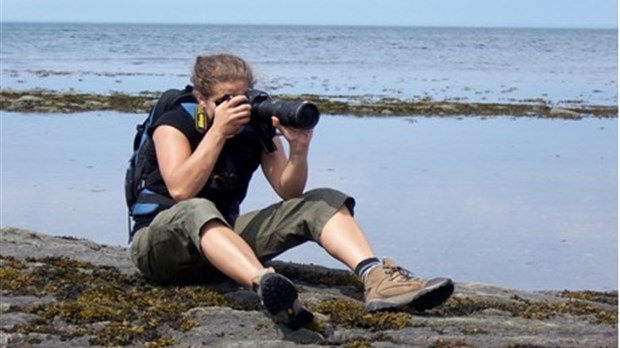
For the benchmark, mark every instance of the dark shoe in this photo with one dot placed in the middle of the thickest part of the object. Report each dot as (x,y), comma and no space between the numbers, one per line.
(279,297)
(388,287)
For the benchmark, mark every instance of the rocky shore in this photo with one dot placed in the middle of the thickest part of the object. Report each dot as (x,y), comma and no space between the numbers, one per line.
(67,292)
(45,101)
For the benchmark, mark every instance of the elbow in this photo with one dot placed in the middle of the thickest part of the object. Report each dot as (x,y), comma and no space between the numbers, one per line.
(290,194)
(179,194)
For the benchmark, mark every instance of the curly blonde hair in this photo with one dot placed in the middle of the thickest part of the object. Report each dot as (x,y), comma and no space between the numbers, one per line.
(209,70)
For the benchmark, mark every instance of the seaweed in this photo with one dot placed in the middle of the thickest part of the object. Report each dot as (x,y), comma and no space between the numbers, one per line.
(63,102)
(111,308)
(132,308)
(352,314)
(538,310)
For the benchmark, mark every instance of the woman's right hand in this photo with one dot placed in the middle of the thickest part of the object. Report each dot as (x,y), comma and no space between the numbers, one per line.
(231,116)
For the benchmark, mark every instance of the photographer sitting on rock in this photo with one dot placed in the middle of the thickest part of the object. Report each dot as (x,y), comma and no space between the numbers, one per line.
(203,165)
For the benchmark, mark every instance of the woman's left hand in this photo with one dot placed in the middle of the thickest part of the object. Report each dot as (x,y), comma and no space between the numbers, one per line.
(298,139)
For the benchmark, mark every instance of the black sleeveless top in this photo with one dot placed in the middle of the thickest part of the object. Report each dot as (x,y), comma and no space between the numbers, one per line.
(228,184)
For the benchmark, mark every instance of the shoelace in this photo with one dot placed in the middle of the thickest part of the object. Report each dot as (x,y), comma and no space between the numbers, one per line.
(397,271)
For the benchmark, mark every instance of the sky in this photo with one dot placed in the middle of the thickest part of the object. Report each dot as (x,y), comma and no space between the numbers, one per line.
(453,13)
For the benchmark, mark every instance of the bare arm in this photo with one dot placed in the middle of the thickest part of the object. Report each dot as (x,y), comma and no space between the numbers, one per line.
(185,172)
(288,176)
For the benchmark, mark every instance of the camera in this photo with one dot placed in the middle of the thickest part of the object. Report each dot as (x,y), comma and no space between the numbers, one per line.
(297,114)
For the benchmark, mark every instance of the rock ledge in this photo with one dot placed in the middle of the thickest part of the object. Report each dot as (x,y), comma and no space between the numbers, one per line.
(65,292)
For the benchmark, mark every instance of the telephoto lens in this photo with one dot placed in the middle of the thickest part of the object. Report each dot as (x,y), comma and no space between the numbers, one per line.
(298,114)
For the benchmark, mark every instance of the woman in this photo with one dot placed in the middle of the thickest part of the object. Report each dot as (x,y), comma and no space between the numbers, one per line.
(206,170)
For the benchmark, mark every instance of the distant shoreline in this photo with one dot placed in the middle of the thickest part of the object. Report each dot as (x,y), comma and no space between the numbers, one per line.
(45,101)
(309,25)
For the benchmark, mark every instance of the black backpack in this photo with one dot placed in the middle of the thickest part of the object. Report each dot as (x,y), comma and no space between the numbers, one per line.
(141,201)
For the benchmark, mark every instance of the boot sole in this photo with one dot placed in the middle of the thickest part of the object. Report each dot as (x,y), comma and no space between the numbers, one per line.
(434,297)
(426,298)
(280,299)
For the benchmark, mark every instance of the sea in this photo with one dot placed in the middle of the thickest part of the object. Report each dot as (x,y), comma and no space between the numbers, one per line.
(472,64)
(526,203)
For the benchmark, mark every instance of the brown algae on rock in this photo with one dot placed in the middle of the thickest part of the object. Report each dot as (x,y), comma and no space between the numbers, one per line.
(84,295)
(77,300)
(351,314)
(538,310)
(63,102)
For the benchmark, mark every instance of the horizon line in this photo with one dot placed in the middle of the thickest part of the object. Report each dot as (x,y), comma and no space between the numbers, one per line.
(483,26)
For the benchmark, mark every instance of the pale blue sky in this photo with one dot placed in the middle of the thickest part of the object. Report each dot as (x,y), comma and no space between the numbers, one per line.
(470,13)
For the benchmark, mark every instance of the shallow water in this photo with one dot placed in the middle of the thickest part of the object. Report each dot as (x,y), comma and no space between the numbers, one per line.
(561,66)
(525,203)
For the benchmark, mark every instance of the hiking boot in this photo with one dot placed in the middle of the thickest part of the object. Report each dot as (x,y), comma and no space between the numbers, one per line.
(279,296)
(390,287)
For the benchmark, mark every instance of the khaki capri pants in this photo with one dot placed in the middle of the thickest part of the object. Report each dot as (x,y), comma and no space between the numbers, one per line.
(168,250)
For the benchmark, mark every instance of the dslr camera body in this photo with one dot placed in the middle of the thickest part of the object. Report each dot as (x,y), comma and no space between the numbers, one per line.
(297,114)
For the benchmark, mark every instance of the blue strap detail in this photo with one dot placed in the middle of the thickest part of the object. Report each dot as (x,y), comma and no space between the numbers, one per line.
(144,208)
(149,202)
(190,108)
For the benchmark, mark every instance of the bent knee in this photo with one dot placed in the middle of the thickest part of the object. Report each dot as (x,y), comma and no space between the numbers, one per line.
(197,204)
(331,197)
(322,194)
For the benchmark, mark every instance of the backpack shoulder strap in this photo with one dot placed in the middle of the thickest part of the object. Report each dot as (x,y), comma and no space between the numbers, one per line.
(190,108)
(173,97)
(166,101)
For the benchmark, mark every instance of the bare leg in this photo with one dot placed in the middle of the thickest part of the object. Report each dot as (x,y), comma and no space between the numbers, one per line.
(229,253)
(344,239)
